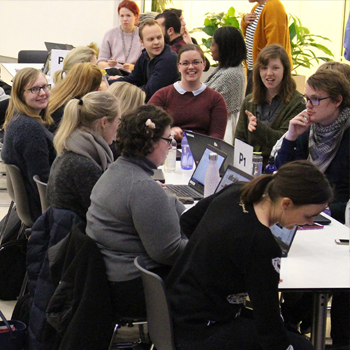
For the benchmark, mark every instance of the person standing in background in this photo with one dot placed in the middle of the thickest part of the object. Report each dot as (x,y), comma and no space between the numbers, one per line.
(266,24)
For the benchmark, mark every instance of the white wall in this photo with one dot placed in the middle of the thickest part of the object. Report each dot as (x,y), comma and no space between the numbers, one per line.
(26,24)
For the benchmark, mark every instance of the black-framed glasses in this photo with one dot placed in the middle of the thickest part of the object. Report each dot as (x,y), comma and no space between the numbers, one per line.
(187,64)
(313,100)
(167,139)
(36,89)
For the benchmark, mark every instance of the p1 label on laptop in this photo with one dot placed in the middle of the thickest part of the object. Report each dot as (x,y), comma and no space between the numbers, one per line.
(243,156)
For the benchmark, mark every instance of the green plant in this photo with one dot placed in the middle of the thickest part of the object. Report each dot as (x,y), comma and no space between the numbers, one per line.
(214,21)
(302,43)
(160,5)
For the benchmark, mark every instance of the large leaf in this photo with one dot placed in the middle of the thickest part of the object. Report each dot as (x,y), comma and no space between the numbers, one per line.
(231,12)
(323,48)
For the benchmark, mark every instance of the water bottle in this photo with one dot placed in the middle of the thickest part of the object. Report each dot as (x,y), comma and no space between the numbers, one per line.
(257,164)
(270,167)
(170,162)
(212,175)
(186,156)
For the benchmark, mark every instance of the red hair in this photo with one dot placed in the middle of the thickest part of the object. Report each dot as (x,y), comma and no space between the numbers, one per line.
(130,5)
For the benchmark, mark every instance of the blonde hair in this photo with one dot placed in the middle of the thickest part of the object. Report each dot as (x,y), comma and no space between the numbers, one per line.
(86,112)
(83,78)
(80,54)
(130,96)
(25,79)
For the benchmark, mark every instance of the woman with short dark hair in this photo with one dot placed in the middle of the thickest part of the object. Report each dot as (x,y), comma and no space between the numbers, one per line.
(228,48)
(266,113)
(232,253)
(130,214)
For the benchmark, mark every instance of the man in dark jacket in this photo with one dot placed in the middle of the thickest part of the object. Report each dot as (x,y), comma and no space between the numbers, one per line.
(157,66)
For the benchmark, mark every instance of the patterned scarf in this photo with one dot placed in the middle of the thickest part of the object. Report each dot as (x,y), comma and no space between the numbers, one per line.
(324,141)
(90,145)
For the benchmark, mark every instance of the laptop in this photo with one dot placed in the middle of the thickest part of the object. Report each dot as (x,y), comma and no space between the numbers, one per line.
(322,220)
(56,46)
(233,175)
(195,187)
(284,237)
(199,142)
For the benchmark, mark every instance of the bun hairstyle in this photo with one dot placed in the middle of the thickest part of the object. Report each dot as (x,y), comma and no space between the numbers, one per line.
(300,181)
(140,129)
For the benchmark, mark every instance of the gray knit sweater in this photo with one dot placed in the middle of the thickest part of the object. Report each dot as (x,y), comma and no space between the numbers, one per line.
(131,215)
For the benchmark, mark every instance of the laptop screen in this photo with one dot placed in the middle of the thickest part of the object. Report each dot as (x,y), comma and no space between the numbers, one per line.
(233,175)
(284,237)
(199,173)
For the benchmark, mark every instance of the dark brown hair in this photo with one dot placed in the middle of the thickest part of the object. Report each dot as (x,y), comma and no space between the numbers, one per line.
(300,181)
(288,85)
(134,137)
(190,47)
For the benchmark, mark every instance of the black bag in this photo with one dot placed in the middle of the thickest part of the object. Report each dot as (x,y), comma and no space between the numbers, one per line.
(12,228)
(15,336)
(21,312)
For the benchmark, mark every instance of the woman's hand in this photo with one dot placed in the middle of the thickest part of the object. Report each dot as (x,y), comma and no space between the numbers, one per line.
(249,18)
(252,121)
(112,63)
(177,133)
(298,125)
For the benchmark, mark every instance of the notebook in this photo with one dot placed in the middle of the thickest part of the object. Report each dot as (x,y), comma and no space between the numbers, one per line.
(199,142)
(284,237)
(233,175)
(195,187)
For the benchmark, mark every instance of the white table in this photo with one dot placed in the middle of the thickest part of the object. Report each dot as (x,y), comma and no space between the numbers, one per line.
(314,263)
(9,70)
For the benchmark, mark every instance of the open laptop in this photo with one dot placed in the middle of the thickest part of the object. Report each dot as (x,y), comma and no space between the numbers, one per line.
(199,142)
(195,187)
(233,175)
(284,237)
(56,46)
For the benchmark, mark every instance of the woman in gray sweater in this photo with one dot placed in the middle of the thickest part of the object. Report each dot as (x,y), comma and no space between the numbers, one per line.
(131,215)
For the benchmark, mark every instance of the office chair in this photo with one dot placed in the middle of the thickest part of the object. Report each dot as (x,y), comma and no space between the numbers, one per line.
(160,326)
(32,56)
(42,187)
(18,193)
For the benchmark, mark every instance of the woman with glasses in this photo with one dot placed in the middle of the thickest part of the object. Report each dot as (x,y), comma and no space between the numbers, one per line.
(130,214)
(191,104)
(27,143)
(228,48)
(81,79)
(265,114)
(321,134)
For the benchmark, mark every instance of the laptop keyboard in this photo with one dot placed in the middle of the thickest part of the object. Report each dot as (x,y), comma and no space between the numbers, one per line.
(184,191)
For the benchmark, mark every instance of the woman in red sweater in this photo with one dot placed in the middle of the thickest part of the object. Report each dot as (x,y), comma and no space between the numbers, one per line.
(191,104)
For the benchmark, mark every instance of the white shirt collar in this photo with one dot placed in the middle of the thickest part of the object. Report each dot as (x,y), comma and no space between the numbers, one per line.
(181,91)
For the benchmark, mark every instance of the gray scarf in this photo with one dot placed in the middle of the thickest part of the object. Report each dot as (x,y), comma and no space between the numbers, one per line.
(90,145)
(324,141)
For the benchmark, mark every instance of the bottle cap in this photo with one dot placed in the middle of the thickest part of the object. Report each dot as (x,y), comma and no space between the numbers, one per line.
(213,156)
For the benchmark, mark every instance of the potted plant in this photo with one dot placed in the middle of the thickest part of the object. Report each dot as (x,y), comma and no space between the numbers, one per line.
(303,43)
(160,5)
(214,21)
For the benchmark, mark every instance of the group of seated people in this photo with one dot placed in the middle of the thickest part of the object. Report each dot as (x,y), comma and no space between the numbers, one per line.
(97,151)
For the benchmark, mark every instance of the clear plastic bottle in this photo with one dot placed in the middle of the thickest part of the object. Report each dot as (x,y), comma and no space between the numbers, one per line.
(170,162)
(186,156)
(257,164)
(212,175)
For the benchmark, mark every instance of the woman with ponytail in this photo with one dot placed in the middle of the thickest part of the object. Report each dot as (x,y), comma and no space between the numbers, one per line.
(232,254)
(88,127)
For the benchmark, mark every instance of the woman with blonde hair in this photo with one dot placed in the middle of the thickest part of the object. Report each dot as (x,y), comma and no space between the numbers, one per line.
(129,95)
(27,143)
(82,78)
(89,125)
(80,54)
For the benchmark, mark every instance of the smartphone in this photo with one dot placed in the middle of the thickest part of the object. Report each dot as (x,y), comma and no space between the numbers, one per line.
(342,241)
(315,226)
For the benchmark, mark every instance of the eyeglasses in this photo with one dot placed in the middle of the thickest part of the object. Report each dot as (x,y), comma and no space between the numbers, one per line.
(167,139)
(36,89)
(194,63)
(313,100)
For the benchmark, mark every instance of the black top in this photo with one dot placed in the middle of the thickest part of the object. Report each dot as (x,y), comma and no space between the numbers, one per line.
(229,255)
